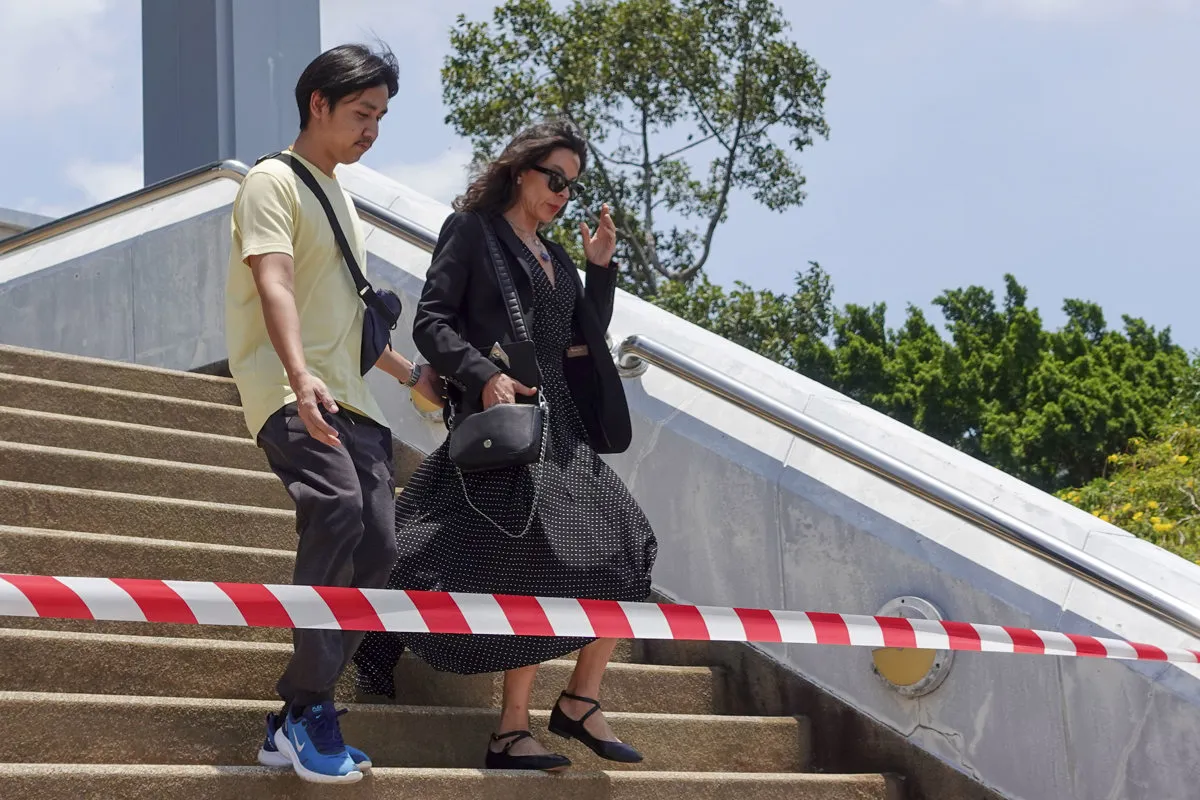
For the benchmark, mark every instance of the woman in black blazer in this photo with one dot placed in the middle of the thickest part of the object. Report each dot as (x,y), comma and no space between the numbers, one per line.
(566,527)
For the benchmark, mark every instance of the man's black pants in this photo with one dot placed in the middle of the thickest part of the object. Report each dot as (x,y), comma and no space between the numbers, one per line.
(346,522)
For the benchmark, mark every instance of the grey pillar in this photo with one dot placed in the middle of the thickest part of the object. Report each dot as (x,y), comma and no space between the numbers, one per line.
(218,79)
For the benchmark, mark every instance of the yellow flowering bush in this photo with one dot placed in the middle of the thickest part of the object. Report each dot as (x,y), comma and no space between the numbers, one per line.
(1151,490)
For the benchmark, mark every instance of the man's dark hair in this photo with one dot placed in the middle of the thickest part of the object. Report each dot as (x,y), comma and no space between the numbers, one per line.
(345,70)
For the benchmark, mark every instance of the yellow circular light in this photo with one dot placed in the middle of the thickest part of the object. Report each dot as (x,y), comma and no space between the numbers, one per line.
(903,666)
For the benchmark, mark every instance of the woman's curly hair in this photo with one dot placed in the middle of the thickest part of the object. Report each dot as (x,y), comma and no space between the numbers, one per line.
(494,188)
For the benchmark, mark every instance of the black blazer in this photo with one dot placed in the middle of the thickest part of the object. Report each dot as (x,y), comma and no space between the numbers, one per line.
(461,314)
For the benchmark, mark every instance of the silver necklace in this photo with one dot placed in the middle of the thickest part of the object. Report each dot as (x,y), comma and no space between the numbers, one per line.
(535,246)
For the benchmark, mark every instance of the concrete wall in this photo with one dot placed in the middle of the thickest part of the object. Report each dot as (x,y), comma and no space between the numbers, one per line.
(745,515)
(148,287)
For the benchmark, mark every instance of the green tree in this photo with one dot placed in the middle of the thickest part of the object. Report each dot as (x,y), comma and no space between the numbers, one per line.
(789,329)
(1045,406)
(1093,390)
(682,102)
(1185,407)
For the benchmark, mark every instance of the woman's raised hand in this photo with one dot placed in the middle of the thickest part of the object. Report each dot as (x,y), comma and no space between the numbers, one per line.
(599,249)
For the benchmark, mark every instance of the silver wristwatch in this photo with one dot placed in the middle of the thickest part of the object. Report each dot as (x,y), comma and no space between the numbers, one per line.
(414,376)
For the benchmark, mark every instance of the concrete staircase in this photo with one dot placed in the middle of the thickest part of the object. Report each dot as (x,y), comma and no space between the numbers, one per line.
(115,470)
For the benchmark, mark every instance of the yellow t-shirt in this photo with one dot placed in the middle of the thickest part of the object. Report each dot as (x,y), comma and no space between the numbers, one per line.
(275,213)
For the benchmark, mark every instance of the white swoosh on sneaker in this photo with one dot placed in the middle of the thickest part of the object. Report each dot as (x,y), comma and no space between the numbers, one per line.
(300,747)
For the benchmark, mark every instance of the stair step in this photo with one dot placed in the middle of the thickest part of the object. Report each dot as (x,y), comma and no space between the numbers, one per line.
(173,782)
(624,652)
(116,375)
(59,466)
(68,508)
(44,661)
(117,405)
(641,688)
(165,630)
(158,730)
(37,551)
(127,439)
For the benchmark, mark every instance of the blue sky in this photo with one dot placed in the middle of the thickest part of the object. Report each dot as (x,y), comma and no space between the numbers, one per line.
(1054,139)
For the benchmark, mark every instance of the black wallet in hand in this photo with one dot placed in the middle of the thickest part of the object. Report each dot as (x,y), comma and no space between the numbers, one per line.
(518,360)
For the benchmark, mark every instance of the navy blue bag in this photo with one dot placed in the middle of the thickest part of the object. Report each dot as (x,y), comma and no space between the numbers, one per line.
(383,306)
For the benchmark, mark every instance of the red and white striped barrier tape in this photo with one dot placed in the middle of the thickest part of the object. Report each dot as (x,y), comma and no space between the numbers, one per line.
(279,606)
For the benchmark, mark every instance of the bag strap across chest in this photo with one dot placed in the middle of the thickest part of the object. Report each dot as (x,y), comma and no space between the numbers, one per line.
(363,287)
(512,300)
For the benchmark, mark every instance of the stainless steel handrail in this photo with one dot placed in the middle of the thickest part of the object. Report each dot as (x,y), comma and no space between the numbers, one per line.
(636,350)
(373,213)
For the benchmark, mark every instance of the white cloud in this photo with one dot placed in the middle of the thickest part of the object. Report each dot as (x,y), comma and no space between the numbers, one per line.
(53,210)
(94,182)
(58,51)
(100,181)
(442,178)
(1076,9)
(420,35)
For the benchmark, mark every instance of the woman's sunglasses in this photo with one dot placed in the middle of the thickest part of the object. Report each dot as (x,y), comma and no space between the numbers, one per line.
(557,181)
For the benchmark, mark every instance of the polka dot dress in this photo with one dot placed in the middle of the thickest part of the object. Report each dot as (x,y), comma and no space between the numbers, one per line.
(587,538)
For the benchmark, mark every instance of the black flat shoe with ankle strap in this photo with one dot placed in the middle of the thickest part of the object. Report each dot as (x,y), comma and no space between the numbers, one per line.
(564,726)
(546,762)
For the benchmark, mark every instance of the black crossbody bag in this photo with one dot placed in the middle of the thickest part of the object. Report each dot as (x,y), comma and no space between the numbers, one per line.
(507,434)
(383,307)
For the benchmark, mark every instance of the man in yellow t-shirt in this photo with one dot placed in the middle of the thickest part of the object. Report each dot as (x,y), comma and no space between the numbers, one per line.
(293,326)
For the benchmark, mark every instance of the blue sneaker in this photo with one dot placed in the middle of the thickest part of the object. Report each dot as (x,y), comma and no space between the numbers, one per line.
(269,755)
(313,744)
